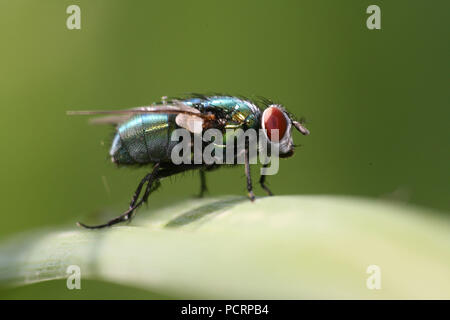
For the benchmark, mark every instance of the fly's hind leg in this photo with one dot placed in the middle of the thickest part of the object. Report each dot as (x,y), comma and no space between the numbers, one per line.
(134,204)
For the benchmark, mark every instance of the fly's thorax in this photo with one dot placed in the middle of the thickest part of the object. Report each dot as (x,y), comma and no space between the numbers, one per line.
(235,112)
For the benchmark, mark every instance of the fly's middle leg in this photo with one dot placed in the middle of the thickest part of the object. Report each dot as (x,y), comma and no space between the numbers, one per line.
(203,186)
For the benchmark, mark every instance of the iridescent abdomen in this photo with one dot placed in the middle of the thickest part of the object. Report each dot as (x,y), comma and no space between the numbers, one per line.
(144,139)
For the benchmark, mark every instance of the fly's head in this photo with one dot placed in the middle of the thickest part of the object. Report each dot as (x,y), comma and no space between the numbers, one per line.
(276,119)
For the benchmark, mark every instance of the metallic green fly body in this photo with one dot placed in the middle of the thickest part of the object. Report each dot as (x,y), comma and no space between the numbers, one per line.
(143,136)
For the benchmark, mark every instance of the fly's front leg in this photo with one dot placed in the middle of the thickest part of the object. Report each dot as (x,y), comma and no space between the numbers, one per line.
(134,204)
(251,195)
(262,182)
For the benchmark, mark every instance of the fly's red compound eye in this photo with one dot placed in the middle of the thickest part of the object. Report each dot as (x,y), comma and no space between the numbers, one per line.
(273,118)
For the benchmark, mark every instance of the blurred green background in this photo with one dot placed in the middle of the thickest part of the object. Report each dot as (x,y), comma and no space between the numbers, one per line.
(376,101)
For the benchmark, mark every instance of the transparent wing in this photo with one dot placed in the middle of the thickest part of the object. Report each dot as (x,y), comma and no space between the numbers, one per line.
(187,116)
(113,119)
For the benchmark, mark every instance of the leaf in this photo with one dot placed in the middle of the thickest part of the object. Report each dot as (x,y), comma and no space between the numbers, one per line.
(285,247)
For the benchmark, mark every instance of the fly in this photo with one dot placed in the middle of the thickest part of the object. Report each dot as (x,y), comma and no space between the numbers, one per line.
(143,137)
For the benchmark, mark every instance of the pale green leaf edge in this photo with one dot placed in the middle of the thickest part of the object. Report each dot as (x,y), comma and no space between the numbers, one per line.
(284,247)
